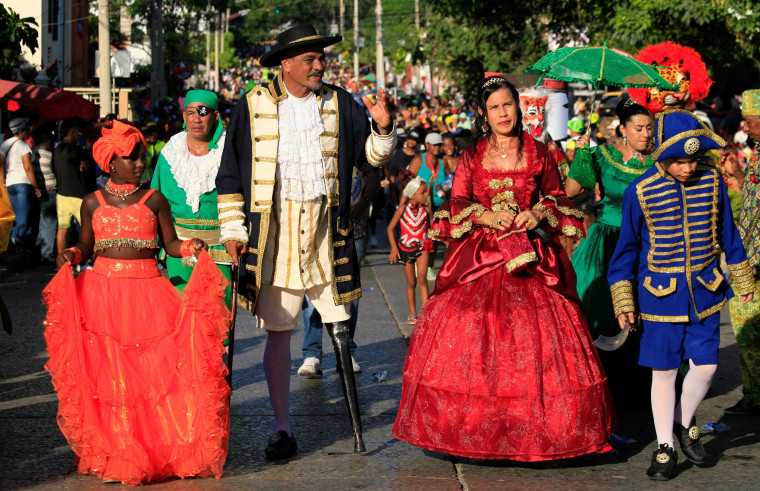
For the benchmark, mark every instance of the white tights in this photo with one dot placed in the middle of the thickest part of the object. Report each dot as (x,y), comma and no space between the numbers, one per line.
(695,387)
(277,372)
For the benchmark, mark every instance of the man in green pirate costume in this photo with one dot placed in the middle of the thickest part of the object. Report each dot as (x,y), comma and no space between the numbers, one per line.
(186,175)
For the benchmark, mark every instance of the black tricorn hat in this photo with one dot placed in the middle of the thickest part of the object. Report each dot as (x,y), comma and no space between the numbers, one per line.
(296,37)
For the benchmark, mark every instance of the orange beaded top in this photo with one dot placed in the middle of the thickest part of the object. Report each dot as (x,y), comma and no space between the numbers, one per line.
(134,226)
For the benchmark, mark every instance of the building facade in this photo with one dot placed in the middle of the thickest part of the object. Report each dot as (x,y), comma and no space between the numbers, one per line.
(63,39)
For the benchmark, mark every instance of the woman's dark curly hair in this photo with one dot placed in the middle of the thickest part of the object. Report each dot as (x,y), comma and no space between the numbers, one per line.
(627,109)
(486,87)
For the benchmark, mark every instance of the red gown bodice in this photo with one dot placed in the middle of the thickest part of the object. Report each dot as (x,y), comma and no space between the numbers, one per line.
(475,250)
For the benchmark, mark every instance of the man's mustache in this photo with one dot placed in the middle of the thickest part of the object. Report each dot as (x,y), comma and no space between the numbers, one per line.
(316,73)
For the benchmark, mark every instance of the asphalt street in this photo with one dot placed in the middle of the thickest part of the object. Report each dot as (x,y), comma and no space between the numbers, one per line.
(34,454)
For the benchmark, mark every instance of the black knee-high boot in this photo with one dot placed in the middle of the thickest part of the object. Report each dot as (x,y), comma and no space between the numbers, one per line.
(339,334)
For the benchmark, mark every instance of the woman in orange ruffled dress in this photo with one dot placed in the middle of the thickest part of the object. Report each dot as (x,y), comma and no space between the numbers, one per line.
(138,368)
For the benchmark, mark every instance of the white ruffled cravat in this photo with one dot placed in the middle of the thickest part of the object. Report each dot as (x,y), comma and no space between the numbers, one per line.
(299,154)
(194,176)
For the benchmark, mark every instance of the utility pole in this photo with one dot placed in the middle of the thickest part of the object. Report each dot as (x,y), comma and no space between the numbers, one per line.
(158,58)
(157,75)
(356,42)
(154,49)
(380,56)
(217,19)
(61,37)
(208,45)
(104,47)
(416,82)
(342,16)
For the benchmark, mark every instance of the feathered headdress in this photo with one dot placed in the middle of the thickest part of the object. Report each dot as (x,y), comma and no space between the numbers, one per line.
(679,65)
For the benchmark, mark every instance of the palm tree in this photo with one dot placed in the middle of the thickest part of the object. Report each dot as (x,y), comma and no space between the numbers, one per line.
(15,31)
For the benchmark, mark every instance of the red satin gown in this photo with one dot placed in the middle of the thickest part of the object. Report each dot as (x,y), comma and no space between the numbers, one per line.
(500,363)
(137,367)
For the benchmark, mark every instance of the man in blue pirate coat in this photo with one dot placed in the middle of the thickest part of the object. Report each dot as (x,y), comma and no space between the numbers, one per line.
(284,200)
(676,222)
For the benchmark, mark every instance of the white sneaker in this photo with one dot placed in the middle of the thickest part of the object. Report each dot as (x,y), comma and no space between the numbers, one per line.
(357,368)
(311,368)
(431,274)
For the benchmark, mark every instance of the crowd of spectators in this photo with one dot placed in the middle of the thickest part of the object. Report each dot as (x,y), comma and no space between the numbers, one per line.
(63,170)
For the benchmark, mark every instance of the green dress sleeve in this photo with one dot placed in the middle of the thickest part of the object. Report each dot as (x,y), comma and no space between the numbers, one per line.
(735,199)
(155,181)
(584,169)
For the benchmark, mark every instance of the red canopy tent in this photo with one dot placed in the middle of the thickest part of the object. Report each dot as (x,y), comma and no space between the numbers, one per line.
(51,104)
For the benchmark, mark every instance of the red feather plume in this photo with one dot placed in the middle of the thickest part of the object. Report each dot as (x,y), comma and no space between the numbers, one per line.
(682,65)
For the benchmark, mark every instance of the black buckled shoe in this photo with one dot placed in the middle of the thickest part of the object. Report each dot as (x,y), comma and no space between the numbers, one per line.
(742,408)
(691,445)
(664,461)
(281,446)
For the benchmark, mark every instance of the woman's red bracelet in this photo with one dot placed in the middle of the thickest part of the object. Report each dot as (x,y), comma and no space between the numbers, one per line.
(184,249)
(77,255)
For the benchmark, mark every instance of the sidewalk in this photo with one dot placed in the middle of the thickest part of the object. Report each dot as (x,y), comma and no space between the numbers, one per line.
(34,455)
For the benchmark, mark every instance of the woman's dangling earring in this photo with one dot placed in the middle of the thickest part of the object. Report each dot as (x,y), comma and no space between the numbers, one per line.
(486,128)
(625,140)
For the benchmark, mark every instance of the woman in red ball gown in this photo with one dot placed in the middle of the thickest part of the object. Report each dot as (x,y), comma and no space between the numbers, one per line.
(137,367)
(500,364)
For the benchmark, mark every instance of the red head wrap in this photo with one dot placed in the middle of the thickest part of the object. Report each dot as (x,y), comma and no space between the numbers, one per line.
(119,140)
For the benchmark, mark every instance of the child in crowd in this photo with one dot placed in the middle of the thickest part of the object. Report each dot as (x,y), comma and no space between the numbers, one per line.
(414,245)
(676,222)
(137,367)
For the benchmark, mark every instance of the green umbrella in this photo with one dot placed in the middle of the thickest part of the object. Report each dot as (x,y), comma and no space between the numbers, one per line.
(598,66)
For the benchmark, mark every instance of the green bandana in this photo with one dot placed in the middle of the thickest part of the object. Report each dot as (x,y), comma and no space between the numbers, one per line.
(205,97)
(210,99)
(217,134)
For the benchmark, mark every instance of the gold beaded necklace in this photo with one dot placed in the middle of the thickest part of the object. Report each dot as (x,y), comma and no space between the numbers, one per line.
(121,190)
(503,152)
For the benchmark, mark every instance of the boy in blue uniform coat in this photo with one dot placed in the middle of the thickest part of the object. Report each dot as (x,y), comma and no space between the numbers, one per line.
(676,222)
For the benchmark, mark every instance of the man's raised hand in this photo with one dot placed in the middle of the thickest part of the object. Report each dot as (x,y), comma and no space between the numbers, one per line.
(380,111)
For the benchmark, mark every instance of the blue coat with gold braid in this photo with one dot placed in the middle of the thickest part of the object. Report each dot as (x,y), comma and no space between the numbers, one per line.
(676,231)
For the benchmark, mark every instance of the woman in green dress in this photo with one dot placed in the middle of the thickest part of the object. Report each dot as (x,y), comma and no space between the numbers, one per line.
(613,168)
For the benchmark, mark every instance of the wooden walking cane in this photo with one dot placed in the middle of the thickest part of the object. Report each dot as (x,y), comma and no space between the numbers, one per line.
(235,273)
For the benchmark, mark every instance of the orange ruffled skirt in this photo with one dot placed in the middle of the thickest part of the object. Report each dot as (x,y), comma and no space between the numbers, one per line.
(138,369)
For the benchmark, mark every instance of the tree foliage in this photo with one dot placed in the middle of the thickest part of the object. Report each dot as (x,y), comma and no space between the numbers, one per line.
(724,32)
(15,31)
(184,24)
(227,58)
(266,18)
(466,39)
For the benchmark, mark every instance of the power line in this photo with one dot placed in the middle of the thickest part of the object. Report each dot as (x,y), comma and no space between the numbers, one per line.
(70,21)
